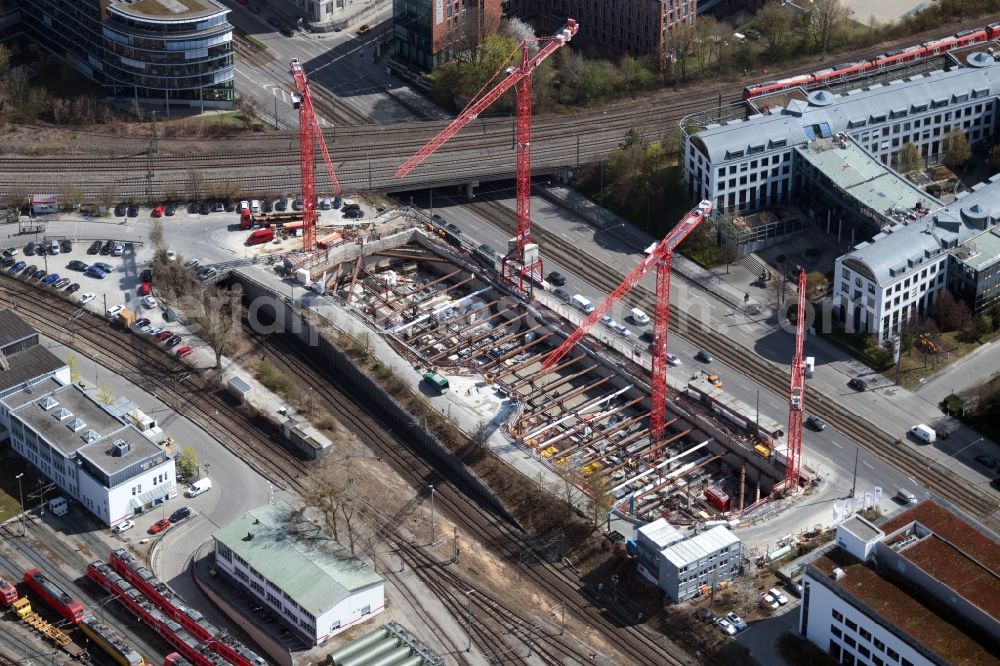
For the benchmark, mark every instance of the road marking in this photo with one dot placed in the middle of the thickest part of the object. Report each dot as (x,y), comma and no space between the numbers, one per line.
(867,465)
(837,445)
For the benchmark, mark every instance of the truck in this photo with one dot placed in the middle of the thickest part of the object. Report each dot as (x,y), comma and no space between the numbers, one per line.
(437,381)
(261,236)
(126,318)
(59,506)
(582,303)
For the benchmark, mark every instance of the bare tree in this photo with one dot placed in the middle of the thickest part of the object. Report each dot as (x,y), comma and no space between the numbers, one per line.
(517,30)
(481,433)
(775,23)
(16,84)
(219,322)
(249,109)
(195,183)
(826,15)
(156,235)
(17,196)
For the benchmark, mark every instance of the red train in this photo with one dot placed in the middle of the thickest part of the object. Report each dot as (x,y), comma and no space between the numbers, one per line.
(190,649)
(131,569)
(853,70)
(54,596)
(176,659)
(8,593)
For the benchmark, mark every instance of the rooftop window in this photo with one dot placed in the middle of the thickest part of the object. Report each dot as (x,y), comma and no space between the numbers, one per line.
(62,413)
(90,436)
(47,403)
(76,425)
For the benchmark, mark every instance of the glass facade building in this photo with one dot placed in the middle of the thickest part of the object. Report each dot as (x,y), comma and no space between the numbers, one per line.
(173,51)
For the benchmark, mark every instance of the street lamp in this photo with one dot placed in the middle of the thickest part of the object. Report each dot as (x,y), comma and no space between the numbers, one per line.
(20,492)
(954,455)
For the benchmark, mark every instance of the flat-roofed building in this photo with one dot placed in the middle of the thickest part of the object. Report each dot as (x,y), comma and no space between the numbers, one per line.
(314,584)
(685,566)
(920,588)
(91,455)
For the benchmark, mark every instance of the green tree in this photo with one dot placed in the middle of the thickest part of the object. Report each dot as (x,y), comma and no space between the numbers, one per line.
(957,149)
(908,158)
(73,362)
(187,461)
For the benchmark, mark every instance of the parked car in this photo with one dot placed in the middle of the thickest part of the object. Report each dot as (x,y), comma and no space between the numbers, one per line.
(133,210)
(736,621)
(338,201)
(29,249)
(157,211)
(204,209)
(146,276)
(769,601)
(986,461)
(623,330)
(562,295)
(267,205)
(29,271)
(219,207)
(297,204)
(180,514)
(18,267)
(123,526)
(557,278)
(95,272)
(139,323)
(703,356)
(144,289)
(726,627)
(159,526)
(357,213)
(173,341)
(94,248)
(192,263)
(170,210)
(608,321)
(120,210)
(672,360)
(77,265)
(210,272)
(113,311)
(163,336)
(107,268)
(714,379)
(106,248)
(61,283)
(52,278)
(325,203)
(184,351)
(149,302)
(85,298)
(118,250)
(73,287)
(282,204)
(66,245)
(778,596)
(858,384)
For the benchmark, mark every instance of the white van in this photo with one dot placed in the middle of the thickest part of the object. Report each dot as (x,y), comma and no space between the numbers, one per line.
(905,496)
(924,433)
(639,317)
(255,207)
(198,487)
(583,304)
(59,506)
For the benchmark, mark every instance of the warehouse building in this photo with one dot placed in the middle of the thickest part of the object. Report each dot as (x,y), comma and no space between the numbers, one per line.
(892,279)
(746,165)
(684,566)
(308,580)
(429,33)
(179,53)
(922,588)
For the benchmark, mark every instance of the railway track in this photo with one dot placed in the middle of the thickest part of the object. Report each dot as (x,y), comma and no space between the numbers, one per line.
(257,442)
(942,482)
(505,540)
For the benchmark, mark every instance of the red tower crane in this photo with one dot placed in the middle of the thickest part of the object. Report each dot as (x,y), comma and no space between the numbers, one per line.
(661,256)
(519,268)
(797,394)
(309,133)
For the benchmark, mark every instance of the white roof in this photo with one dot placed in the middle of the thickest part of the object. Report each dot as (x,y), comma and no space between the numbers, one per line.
(700,546)
(661,533)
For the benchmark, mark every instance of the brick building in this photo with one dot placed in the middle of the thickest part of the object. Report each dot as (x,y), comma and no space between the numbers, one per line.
(428,33)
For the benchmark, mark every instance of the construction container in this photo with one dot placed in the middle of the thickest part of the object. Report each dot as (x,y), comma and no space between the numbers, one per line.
(302,276)
(126,318)
(762,450)
(718,498)
(239,388)
(437,381)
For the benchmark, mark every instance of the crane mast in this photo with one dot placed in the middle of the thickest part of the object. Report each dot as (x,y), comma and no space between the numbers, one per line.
(310,134)
(797,393)
(519,268)
(660,257)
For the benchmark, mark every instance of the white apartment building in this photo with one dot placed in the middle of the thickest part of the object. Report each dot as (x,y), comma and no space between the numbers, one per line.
(313,584)
(882,284)
(918,590)
(685,566)
(91,455)
(749,164)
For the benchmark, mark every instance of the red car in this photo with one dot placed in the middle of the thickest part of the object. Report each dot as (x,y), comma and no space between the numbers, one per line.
(145,289)
(184,351)
(159,526)
(158,211)
(164,335)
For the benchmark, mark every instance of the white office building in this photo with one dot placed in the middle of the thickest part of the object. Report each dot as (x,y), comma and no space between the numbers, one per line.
(310,581)
(919,589)
(882,284)
(685,566)
(745,165)
(91,455)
